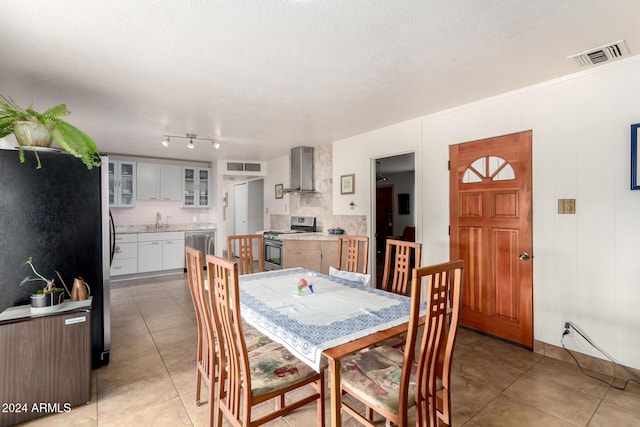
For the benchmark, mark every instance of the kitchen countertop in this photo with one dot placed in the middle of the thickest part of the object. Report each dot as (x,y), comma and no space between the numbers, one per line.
(151,228)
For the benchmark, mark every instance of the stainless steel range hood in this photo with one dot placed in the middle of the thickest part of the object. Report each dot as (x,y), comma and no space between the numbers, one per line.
(302,172)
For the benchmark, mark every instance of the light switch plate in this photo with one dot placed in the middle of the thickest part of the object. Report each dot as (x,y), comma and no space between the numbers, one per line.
(567,206)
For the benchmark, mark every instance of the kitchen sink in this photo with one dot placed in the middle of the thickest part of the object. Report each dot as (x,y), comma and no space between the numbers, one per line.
(159,227)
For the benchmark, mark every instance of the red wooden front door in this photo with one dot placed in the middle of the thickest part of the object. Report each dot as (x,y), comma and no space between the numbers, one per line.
(490,209)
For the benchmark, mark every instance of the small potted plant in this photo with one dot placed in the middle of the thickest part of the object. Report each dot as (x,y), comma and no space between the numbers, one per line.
(47,298)
(39,129)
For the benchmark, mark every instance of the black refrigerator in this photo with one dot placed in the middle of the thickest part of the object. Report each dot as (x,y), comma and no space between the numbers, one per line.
(59,216)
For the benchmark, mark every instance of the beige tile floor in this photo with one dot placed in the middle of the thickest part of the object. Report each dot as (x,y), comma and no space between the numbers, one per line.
(150,380)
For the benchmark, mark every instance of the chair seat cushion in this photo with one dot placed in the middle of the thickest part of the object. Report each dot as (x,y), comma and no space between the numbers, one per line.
(273,367)
(374,377)
(253,338)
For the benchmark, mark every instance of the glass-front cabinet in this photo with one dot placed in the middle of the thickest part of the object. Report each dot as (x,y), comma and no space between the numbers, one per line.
(196,184)
(122,183)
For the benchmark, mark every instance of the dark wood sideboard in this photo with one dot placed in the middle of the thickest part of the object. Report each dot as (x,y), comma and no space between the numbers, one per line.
(45,364)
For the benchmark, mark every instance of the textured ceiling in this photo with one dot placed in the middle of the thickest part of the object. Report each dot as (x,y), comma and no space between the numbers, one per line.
(265,76)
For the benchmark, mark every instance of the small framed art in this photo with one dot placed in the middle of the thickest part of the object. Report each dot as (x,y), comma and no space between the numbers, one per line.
(635,161)
(279,191)
(347,184)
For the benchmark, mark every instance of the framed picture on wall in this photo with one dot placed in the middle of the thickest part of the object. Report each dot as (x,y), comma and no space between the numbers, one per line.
(403,204)
(279,191)
(347,184)
(635,175)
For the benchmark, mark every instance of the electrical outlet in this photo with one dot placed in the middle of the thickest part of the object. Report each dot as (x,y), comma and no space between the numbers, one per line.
(567,330)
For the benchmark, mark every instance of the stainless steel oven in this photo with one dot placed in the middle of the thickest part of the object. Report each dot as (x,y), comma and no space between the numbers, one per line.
(273,252)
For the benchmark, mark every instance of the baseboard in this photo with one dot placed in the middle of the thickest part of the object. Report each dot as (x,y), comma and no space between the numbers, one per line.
(587,362)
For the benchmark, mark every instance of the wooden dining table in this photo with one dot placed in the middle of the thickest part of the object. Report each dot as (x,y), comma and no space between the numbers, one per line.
(321,319)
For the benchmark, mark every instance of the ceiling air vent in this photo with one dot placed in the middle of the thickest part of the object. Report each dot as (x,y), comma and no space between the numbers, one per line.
(609,52)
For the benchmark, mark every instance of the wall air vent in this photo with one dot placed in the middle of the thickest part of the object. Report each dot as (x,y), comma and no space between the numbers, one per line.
(598,55)
(235,166)
(240,168)
(252,167)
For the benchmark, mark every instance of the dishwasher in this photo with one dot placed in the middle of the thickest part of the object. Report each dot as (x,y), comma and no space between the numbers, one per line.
(202,240)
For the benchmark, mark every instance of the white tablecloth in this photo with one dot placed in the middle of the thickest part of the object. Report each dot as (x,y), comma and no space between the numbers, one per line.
(336,312)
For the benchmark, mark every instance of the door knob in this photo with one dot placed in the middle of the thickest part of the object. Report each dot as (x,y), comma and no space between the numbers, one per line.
(524,256)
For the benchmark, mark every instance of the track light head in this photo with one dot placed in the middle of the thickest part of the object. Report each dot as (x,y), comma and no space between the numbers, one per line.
(166,141)
(190,144)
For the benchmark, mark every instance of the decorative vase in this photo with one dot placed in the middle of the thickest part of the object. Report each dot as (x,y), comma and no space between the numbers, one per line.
(33,134)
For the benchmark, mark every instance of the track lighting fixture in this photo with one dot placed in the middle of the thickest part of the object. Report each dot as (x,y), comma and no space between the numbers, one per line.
(191,137)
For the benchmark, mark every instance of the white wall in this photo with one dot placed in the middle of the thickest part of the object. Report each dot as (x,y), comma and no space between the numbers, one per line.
(278,174)
(584,267)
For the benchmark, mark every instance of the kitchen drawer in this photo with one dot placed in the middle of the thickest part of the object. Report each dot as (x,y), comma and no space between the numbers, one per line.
(127,238)
(125,250)
(124,266)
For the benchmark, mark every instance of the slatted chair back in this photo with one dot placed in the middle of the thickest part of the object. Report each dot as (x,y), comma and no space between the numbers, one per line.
(400,258)
(356,246)
(247,245)
(433,376)
(206,356)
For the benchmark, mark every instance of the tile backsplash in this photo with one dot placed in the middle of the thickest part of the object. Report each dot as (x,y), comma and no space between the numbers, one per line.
(144,212)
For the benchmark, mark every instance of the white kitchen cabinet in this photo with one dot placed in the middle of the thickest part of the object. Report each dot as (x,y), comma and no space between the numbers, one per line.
(173,254)
(171,183)
(148,181)
(159,182)
(125,256)
(122,189)
(160,251)
(196,187)
(149,256)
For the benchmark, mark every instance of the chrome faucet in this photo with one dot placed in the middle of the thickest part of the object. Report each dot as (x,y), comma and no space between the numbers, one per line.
(158,220)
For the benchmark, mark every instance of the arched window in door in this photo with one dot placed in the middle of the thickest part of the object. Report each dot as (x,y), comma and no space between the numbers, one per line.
(488,168)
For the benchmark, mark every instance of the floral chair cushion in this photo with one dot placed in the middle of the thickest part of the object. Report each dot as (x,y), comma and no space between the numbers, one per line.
(374,376)
(348,275)
(253,338)
(273,367)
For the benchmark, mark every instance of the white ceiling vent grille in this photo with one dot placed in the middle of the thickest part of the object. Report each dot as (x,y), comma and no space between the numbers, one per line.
(609,52)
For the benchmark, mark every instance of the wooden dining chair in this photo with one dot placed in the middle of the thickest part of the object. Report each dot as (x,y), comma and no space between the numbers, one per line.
(400,257)
(253,377)
(388,380)
(247,244)
(206,353)
(355,245)
(206,358)
(433,399)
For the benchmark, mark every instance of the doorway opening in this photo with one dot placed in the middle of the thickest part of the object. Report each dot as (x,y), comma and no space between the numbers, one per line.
(394,204)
